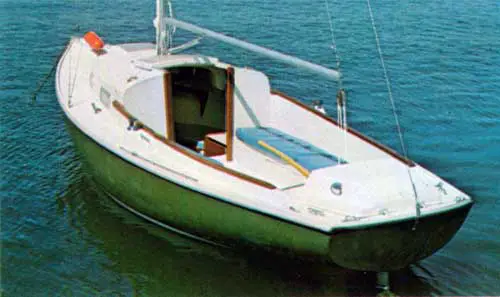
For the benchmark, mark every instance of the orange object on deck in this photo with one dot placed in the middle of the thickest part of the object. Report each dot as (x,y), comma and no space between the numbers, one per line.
(94,41)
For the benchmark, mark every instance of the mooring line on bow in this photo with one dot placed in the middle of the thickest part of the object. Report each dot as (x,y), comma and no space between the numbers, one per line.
(42,82)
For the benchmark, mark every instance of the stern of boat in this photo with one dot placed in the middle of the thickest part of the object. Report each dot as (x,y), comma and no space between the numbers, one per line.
(392,246)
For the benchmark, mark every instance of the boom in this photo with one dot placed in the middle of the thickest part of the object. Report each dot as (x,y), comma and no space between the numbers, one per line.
(315,68)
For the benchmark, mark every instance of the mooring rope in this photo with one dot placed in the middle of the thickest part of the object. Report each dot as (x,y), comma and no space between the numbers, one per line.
(391,98)
(41,84)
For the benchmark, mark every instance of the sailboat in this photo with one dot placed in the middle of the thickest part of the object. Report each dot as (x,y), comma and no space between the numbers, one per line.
(207,149)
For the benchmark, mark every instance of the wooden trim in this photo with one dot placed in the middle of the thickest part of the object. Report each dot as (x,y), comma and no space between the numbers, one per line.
(121,109)
(213,148)
(210,136)
(229,113)
(169,105)
(365,138)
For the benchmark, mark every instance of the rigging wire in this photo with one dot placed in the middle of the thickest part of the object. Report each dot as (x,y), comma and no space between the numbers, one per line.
(391,99)
(341,101)
(171,29)
(334,44)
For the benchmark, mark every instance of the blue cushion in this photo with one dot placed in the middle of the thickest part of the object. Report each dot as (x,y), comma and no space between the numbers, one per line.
(302,152)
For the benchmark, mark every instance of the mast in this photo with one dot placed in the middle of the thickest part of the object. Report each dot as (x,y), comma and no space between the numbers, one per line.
(159,23)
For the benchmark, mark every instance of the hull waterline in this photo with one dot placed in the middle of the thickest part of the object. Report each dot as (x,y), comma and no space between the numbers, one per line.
(383,247)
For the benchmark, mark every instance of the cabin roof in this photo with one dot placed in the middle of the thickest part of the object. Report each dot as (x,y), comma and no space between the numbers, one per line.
(133,47)
(170,61)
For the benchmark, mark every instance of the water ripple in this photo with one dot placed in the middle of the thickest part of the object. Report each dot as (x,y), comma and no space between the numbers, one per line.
(62,236)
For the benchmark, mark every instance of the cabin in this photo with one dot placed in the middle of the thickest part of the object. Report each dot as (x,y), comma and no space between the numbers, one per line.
(218,113)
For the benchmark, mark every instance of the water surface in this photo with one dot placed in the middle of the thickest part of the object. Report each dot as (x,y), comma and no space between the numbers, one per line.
(61,236)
